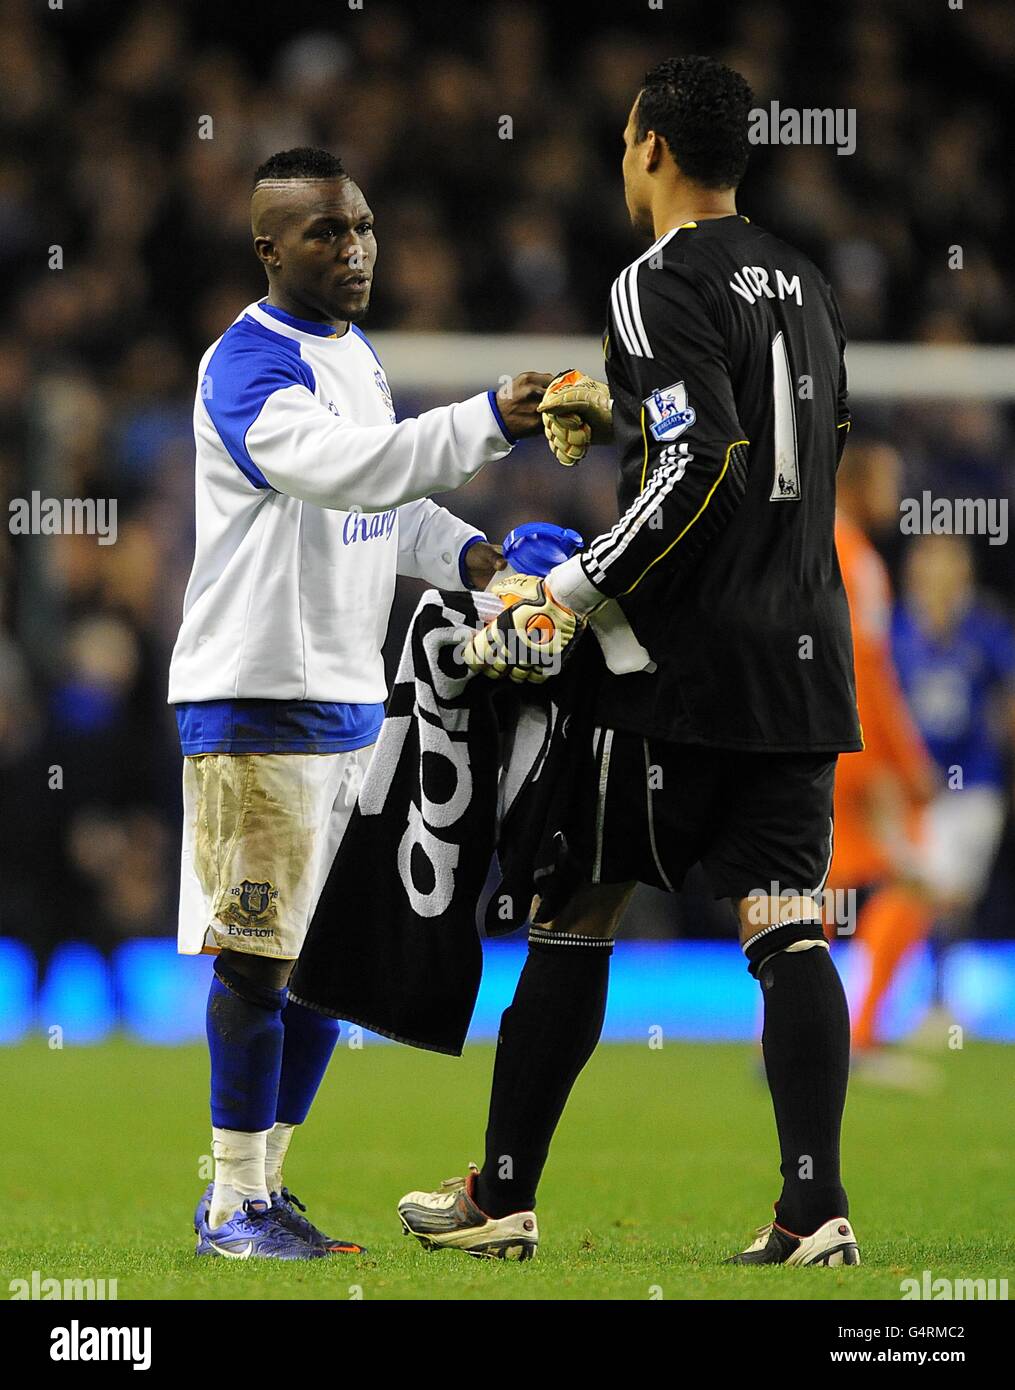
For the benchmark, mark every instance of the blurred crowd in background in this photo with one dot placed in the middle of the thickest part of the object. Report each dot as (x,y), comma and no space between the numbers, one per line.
(102,109)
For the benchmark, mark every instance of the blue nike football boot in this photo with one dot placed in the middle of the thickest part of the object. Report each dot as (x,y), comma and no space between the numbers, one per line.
(287,1211)
(203,1207)
(252,1234)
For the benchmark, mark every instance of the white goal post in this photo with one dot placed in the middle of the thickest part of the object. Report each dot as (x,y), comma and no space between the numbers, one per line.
(877,371)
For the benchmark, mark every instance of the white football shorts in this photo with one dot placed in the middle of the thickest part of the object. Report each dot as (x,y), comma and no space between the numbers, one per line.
(260,833)
(961,839)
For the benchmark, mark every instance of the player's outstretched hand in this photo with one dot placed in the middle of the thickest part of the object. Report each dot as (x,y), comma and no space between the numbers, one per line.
(530,639)
(518,402)
(577,411)
(482,561)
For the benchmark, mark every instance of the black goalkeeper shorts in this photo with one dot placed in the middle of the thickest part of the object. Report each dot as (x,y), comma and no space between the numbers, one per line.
(750,819)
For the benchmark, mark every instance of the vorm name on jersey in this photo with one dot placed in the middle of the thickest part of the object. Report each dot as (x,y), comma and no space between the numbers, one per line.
(753,282)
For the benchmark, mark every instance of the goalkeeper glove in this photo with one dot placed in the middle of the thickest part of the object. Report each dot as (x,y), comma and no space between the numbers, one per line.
(530,639)
(577,411)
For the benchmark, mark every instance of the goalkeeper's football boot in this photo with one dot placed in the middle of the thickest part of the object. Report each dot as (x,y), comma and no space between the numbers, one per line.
(287,1211)
(451,1220)
(251,1233)
(834,1243)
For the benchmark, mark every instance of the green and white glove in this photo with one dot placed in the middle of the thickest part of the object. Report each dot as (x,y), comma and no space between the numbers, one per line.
(530,639)
(577,411)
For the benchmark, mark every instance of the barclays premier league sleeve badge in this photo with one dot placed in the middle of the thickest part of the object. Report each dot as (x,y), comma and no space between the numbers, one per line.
(667,412)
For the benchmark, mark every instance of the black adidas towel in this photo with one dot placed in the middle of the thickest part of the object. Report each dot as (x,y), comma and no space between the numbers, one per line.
(393,945)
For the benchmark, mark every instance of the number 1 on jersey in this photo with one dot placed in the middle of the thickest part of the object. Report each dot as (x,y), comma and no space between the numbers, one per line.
(786,481)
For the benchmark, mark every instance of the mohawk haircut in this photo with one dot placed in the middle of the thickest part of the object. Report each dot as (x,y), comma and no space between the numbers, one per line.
(701,108)
(301,163)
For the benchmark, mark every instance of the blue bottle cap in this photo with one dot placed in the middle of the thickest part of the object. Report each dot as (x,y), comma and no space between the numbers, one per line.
(537,546)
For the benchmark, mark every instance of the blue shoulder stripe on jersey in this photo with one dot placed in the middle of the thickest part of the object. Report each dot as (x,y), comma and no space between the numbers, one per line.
(319,330)
(250,364)
(276,726)
(360,334)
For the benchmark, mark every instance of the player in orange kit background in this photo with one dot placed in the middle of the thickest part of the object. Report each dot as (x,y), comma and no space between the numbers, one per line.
(879,792)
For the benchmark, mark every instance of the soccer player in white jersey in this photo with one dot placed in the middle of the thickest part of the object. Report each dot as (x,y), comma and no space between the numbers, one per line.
(310,499)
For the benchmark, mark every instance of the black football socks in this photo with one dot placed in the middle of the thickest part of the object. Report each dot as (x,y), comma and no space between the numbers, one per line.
(806,1047)
(554,1023)
(547,1035)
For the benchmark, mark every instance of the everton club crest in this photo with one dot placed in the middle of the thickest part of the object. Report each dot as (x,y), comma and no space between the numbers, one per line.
(251,904)
(385,390)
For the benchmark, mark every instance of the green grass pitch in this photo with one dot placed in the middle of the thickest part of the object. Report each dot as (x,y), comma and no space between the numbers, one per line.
(664,1162)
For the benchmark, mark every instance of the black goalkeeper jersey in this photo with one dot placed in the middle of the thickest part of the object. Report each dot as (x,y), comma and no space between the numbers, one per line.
(724,353)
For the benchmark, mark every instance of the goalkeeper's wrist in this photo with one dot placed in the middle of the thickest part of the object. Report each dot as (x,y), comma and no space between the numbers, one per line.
(571,587)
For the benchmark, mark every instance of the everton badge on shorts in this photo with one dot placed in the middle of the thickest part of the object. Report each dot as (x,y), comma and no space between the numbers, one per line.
(667,412)
(253,904)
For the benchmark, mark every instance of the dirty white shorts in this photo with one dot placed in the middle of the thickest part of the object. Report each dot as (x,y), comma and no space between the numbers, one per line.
(260,833)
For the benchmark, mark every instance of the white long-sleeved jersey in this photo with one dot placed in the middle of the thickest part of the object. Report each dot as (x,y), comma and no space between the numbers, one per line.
(309,500)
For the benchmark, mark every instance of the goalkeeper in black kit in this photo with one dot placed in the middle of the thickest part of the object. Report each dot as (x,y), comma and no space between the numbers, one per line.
(724,353)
